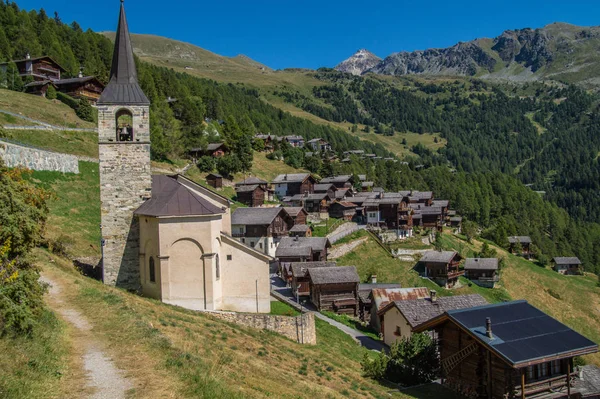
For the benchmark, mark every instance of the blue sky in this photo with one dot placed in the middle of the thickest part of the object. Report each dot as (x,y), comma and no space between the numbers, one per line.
(312,33)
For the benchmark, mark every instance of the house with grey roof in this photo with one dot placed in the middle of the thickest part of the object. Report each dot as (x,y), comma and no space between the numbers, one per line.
(261,228)
(290,184)
(568,265)
(442,267)
(300,230)
(520,245)
(300,280)
(482,271)
(302,249)
(335,289)
(399,317)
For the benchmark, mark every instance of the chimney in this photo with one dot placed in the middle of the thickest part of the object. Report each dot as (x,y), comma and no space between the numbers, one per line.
(373,279)
(295,238)
(80,73)
(488,328)
(433,295)
(28,56)
(285,177)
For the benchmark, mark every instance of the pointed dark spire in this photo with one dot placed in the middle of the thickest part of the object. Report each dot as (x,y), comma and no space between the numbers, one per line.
(123,87)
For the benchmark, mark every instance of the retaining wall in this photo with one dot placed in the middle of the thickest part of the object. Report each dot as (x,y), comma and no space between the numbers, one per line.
(297,328)
(36,159)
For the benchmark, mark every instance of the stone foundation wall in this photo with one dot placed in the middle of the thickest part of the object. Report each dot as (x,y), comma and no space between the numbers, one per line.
(15,155)
(297,328)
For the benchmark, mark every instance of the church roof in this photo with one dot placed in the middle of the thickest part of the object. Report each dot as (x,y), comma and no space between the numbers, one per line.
(170,198)
(123,87)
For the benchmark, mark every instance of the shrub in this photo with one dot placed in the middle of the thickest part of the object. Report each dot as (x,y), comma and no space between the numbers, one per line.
(67,100)
(51,93)
(206,164)
(61,245)
(85,111)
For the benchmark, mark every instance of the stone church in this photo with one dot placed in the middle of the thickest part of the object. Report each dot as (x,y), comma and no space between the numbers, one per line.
(165,235)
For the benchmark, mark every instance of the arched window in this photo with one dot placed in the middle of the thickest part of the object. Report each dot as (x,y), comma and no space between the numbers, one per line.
(124,123)
(218,267)
(152,271)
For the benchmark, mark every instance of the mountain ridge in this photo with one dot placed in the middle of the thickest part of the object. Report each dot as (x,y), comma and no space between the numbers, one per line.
(559,51)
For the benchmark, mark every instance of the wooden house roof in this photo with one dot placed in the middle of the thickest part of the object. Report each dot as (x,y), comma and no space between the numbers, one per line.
(299,228)
(300,269)
(522,335)
(291,178)
(301,246)
(481,264)
(333,275)
(519,239)
(293,211)
(438,256)
(567,260)
(252,180)
(256,216)
(248,189)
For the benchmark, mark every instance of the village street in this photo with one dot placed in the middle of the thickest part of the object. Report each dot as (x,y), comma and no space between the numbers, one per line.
(283,293)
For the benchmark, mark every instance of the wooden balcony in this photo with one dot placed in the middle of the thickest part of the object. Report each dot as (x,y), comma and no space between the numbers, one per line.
(551,383)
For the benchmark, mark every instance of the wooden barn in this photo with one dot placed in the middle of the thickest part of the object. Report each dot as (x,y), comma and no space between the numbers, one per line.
(252,196)
(507,350)
(342,210)
(302,249)
(442,267)
(520,245)
(214,180)
(482,271)
(39,87)
(568,265)
(335,289)
(290,184)
(297,213)
(82,87)
(300,230)
(300,281)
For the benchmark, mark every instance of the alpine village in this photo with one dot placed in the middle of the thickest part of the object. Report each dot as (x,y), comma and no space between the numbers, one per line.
(179,224)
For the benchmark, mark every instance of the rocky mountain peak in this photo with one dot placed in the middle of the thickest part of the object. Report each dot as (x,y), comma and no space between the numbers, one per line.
(359,63)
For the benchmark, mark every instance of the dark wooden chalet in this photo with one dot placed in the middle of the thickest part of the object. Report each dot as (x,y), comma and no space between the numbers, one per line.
(261,222)
(39,87)
(216,150)
(312,203)
(442,267)
(298,214)
(444,206)
(421,197)
(82,87)
(568,265)
(326,188)
(300,282)
(520,245)
(482,271)
(507,350)
(39,68)
(367,186)
(335,289)
(340,181)
(253,180)
(288,185)
(252,196)
(300,230)
(303,249)
(214,180)
(455,222)
(342,210)
(430,216)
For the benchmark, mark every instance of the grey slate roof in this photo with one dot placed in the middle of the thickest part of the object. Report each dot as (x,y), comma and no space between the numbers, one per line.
(246,189)
(456,219)
(76,80)
(171,198)
(418,311)
(300,269)
(323,187)
(333,275)
(519,239)
(337,179)
(123,87)
(301,246)
(299,228)
(310,197)
(255,216)
(481,264)
(291,178)
(559,260)
(293,211)
(251,181)
(438,256)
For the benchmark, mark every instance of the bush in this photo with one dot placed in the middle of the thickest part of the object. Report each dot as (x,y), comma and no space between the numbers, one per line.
(61,245)
(229,165)
(85,111)
(67,100)
(206,164)
(51,93)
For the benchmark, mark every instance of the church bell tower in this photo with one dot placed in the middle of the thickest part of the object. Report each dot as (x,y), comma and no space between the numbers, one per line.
(125,173)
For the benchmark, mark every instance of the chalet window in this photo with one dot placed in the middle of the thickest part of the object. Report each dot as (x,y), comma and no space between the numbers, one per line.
(542,370)
(555,367)
(398,332)
(229,257)
(151,270)
(252,244)
(530,373)
(261,246)
(218,267)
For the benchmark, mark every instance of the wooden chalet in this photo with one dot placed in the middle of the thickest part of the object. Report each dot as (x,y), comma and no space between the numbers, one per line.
(214,180)
(326,188)
(288,185)
(82,87)
(39,68)
(482,271)
(342,210)
(300,281)
(318,145)
(298,214)
(421,197)
(389,210)
(366,186)
(444,206)
(39,87)
(312,203)
(300,230)
(302,249)
(335,289)
(340,181)
(507,350)
(260,222)
(522,242)
(455,222)
(253,180)
(215,150)
(430,217)
(398,318)
(442,267)
(568,265)
(252,196)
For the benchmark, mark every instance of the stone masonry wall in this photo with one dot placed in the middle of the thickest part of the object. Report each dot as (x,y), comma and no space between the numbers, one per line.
(125,183)
(32,158)
(300,329)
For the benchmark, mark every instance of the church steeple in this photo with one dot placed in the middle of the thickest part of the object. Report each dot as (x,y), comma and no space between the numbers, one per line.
(123,87)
